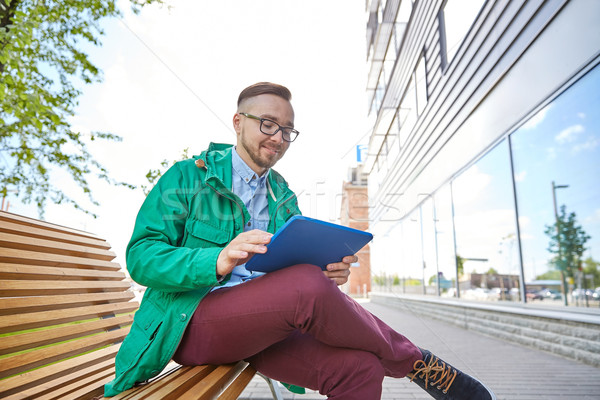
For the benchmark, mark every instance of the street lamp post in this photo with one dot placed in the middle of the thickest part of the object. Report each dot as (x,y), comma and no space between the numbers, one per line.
(562,273)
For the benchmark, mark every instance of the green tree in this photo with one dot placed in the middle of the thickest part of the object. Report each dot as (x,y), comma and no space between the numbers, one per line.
(567,242)
(553,275)
(432,280)
(153,175)
(460,265)
(41,66)
(591,267)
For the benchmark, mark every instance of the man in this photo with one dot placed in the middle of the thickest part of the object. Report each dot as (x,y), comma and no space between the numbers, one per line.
(203,220)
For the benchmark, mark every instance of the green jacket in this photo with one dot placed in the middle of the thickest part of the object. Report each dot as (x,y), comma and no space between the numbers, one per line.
(183,224)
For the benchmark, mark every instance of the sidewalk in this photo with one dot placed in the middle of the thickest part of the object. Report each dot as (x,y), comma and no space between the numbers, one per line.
(512,371)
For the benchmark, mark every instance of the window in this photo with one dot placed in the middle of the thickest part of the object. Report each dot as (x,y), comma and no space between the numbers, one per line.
(411,271)
(485,227)
(421,85)
(429,254)
(556,154)
(408,112)
(401,22)
(393,141)
(456,19)
(446,257)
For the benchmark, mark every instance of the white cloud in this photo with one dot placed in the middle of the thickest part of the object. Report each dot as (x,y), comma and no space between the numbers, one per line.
(590,144)
(472,184)
(568,135)
(487,235)
(521,176)
(173,83)
(593,218)
(550,153)
(537,119)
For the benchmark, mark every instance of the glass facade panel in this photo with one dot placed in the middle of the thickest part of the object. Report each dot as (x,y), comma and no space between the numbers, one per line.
(445,241)
(408,112)
(411,263)
(421,85)
(429,255)
(485,228)
(556,155)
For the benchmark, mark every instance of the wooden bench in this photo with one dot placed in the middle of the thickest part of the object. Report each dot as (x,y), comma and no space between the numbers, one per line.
(65,307)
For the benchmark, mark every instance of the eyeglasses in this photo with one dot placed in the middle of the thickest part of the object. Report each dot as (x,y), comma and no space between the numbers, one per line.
(269,127)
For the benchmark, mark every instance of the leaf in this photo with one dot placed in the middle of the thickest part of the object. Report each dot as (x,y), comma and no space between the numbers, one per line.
(41,59)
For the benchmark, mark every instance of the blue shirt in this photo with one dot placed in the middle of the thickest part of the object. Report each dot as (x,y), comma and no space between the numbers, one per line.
(253,191)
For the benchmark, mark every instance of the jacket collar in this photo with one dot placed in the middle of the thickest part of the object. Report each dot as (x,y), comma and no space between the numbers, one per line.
(217,162)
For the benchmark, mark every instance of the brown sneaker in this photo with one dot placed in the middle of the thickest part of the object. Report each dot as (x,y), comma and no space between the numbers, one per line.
(443,381)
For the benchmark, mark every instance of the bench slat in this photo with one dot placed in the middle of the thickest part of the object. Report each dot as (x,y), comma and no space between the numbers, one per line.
(170,385)
(13,241)
(34,272)
(215,382)
(22,362)
(54,260)
(236,388)
(20,305)
(16,323)
(23,341)
(172,370)
(57,285)
(106,367)
(39,376)
(9,288)
(29,231)
(85,388)
(36,223)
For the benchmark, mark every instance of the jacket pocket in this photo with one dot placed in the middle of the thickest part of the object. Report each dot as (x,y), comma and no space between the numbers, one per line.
(203,234)
(146,323)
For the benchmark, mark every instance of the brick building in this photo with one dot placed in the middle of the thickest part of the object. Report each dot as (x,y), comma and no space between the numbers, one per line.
(355,214)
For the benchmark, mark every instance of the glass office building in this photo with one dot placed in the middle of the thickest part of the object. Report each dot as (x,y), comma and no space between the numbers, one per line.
(484,159)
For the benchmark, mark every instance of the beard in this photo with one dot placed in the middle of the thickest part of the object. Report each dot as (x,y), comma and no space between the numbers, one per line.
(260,156)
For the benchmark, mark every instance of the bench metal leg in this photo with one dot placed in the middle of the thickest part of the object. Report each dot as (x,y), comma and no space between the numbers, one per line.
(274,386)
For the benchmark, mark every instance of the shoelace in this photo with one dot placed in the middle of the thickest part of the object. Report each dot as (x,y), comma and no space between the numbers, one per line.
(444,373)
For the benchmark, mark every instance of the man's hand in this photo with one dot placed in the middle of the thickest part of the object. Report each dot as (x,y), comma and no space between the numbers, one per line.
(340,271)
(240,249)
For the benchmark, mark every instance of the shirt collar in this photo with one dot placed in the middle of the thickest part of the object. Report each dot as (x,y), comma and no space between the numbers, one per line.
(243,170)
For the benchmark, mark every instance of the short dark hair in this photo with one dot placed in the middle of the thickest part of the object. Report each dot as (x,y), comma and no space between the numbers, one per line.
(264,88)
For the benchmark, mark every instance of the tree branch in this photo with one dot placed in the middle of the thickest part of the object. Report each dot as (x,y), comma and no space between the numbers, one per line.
(7,12)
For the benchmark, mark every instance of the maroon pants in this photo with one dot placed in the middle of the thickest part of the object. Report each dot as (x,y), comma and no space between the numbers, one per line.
(295,326)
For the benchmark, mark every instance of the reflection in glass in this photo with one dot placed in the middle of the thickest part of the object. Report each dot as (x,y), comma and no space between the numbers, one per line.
(484,217)
(556,154)
(445,242)
(412,266)
(428,234)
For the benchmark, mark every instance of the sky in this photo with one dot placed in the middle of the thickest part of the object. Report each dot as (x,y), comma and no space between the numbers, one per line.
(171,78)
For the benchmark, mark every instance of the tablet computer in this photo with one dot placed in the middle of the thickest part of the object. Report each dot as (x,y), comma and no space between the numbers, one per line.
(303,240)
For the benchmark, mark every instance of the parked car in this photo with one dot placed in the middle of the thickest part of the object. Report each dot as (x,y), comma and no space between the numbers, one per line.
(533,295)
(583,293)
(476,294)
(499,294)
(551,294)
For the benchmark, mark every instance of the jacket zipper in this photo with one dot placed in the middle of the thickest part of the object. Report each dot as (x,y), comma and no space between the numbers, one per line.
(232,200)
(243,222)
(282,203)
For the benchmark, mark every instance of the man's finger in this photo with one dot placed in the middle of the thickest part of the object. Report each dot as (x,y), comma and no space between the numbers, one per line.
(350,259)
(256,237)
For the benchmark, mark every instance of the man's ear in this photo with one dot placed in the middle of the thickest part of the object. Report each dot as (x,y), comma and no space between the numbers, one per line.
(236,123)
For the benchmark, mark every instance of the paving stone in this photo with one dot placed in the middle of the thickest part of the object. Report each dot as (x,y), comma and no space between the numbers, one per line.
(514,372)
